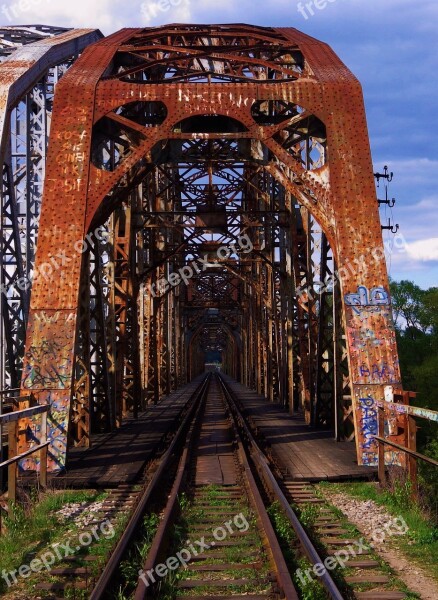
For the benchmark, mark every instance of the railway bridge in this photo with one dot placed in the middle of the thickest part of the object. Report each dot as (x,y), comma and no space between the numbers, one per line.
(200,197)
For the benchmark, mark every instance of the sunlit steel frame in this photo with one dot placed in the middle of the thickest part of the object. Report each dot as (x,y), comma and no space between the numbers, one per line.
(338,194)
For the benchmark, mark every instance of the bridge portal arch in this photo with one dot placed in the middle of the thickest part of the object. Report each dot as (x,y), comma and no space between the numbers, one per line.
(302,118)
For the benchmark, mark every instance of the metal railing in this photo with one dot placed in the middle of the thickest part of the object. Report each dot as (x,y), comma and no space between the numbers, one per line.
(12,419)
(410,450)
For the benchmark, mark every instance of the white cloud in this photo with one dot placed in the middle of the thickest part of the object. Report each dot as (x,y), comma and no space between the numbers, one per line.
(412,171)
(106,15)
(101,14)
(423,250)
(389,45)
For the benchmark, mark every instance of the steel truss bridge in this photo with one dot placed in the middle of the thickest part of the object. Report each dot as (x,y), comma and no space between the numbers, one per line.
(198,194)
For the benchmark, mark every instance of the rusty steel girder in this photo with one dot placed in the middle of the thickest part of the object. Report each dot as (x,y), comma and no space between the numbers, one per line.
(290,105)
(28,75)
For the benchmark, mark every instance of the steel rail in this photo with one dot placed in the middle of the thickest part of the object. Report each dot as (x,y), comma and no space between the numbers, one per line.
(282,572)
(104,581)
(283,577)
(262,464)
(170,512)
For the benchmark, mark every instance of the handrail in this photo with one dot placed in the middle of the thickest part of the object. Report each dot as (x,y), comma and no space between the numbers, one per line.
(13,418)
(411,451)
(407,409)
(406,450)
(16,459)
(15,399)
(23,413)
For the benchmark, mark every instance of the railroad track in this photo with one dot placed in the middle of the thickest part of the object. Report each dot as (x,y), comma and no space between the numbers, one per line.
(364,566)
(214,537)
(218,509)
(75,576)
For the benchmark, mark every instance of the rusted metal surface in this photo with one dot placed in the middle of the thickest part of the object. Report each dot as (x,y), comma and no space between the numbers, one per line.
(28,78)
(15,36)
(49,358)
(20,71)
(316,149)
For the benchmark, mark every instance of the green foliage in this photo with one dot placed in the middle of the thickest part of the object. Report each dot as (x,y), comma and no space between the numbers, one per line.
(408,307)
(281,524)
(416,317)
(308,514)
(130,567)
(184,501)
(310,590)
(428,476)
(30,531)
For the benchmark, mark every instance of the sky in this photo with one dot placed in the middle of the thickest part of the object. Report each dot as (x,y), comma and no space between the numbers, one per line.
(390,45)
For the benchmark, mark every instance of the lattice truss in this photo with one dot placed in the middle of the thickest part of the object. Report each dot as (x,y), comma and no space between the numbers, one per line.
(24,153)
(210,209)
(14,37)
(224,168)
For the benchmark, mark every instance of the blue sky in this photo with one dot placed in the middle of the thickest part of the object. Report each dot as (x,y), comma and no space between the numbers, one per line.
(390,45)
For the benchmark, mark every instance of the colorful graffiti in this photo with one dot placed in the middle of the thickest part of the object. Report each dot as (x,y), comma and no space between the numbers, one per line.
(370,459)
(369,426)
(363,338)
(47,371)
(48,363)
(379,372)
(394,429)
(366,300)
(57,426)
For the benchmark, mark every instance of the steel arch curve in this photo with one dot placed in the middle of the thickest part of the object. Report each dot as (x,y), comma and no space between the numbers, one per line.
(22,73)
(341,195)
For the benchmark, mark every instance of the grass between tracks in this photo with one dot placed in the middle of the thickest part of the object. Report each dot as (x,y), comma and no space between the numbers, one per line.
(312,589)
(290,547)
(130,567)
(421,541)
(34,529)
(194,524)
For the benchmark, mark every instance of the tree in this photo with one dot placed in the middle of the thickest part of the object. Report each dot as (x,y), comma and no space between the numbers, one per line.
(430,310)
(416,317)
(408,307)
